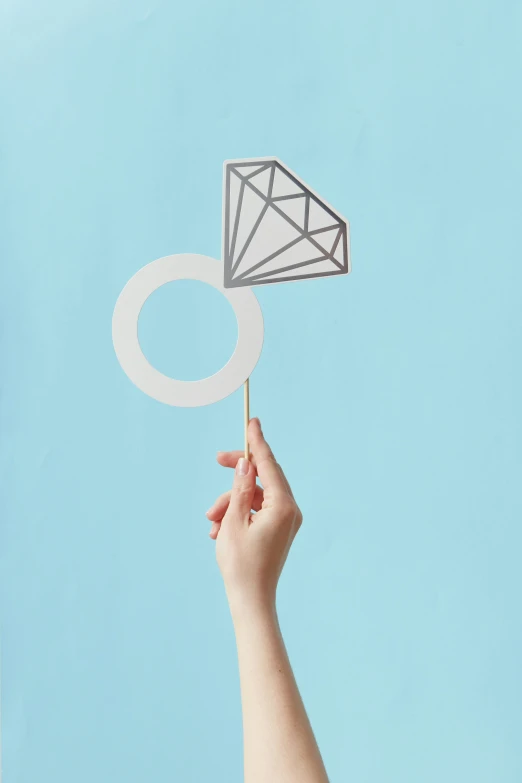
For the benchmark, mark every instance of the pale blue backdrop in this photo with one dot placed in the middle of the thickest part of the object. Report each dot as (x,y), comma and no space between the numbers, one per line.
(392,397)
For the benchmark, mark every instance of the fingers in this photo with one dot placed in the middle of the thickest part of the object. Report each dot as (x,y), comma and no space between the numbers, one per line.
(258,445)
(270,473)
(242,495)
(229,459)
(272,477)
(218,510)
(214,530)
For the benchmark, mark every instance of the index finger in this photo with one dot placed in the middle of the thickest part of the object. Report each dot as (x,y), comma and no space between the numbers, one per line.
(268,470)
(228,459)
(259,448)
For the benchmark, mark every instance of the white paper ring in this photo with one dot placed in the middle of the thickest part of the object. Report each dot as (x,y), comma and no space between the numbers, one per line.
(186,394)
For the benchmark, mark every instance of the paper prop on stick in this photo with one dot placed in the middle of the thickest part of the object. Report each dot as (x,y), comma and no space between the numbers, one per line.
(275,229)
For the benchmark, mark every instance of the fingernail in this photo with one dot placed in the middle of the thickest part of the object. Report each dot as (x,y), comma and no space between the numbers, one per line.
(242,467)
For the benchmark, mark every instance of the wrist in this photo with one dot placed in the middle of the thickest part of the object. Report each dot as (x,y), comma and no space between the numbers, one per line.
(251,607)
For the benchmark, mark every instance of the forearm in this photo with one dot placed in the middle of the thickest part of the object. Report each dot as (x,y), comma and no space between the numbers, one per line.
(251,550)
(279,743)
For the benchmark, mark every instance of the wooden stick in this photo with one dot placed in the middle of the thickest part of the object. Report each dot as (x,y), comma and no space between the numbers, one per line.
(247,415)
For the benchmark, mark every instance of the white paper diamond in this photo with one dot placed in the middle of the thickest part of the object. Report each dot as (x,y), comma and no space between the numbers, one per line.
(275,228)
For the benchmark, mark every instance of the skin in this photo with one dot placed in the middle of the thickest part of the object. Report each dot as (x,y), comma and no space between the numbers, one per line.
(251,550)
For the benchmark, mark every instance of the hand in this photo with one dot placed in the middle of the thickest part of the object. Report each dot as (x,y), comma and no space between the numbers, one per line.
(251,548)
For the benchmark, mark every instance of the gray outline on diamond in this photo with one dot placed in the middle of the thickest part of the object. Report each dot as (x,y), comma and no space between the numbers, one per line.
(334,248)
(263,212)
(275,204)
(330,254)
(321,248)
(244,177)
(236,219)
(292,178)
(249,238)
(290,266)
(226,246)
(310,237)
(302,235)
(345,248)
(244,180)
(322,230)
(271,183)
(257,166)
(246,278)
(293,279)
(337,238)
(270,257)
(287,198)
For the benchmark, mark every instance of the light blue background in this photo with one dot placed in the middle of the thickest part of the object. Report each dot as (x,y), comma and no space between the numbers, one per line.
(391,397)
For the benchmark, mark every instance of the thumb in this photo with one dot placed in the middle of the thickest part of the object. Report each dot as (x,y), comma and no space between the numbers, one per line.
(242,496)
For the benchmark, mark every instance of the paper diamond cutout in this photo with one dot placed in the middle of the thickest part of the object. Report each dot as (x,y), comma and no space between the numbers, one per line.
(275,228)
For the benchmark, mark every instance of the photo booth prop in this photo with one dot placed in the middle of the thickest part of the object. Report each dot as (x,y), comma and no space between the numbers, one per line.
(276,229)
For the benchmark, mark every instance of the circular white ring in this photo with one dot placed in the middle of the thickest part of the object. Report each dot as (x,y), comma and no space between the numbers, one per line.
(186,394)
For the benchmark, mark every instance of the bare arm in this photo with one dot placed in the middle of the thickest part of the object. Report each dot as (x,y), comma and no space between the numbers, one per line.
(280,746)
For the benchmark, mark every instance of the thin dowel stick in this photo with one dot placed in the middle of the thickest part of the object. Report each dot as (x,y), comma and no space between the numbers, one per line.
(247,415)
